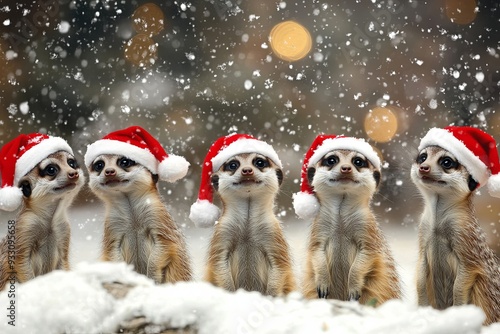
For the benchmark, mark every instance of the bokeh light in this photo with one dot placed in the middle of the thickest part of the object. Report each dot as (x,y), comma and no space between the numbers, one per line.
(141,50)
(148,19)
(381,124)
(290,41)
(461,11)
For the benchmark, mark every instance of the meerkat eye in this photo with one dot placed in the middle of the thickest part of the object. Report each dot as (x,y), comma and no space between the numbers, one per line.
(50,170)
(421,158)
(125,163)
(98,166)
(332,160)
(359,162)
(448,163)
(232,165)
(260,163)
(72,163)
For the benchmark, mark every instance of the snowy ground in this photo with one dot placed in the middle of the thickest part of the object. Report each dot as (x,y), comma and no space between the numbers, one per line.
(75,302)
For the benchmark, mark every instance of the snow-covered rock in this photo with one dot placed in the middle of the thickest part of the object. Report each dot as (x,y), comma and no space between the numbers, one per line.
(88,300)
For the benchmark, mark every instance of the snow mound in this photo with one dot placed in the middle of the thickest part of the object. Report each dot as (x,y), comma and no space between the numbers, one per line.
(78,302)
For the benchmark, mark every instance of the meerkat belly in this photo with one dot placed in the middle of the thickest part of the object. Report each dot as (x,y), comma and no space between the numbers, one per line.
(443,270)
(44,255)
(342,253)
(249,267)
(136,248)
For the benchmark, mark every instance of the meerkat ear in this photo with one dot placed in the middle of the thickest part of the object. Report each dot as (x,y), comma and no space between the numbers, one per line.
(26,188)
(376,176)
(472,183)
(279,174)
(155,178)
(310,175)
(215,181)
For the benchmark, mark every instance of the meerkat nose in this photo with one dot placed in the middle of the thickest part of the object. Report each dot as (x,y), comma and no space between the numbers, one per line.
(247,171)
(424,169)
(345,169)
(110,172)
(73,175)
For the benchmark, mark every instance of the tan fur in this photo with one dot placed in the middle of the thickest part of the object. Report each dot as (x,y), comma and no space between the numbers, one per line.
(455,264)
(248,249)
(348,257)
(138,228)
(42,231)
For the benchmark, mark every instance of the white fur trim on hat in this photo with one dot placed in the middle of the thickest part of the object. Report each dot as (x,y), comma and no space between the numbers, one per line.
(37,153)
(203,213)
(306,205)
(245,145)
(445,139)
(494,185)
(345,143)
(110,146)
(173,168)
(10,198)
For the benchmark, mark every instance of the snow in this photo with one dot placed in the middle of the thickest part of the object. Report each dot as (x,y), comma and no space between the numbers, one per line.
(76,302)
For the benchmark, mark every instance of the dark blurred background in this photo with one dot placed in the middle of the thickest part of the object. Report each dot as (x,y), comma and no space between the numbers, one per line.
(190,72)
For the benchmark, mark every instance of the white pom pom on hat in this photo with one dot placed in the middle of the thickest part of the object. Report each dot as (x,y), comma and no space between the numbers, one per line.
(305,202)
(203,212)
(139,145)
(18,157)
(475,149)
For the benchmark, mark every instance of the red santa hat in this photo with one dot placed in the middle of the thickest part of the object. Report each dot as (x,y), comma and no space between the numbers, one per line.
(203,212)
(137,144)
(18,157)
(305,203)
(474,149)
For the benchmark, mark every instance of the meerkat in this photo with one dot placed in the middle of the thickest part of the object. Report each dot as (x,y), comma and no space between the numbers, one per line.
(40,243)
(348,257)
(138,229)
(455,264)
(248,249)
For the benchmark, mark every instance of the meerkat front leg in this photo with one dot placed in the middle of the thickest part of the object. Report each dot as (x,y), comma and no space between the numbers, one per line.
(24,266)
(173,267)
(357,274)
(422,272)
(219,271)
(63,248)
(462,286)
(322,257)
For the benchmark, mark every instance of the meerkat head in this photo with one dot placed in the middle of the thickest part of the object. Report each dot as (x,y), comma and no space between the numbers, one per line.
(111,173)
(57,176)
(437,170)
(342,172)
(246,175)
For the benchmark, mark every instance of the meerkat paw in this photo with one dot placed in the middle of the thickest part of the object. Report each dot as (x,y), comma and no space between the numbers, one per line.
(322,291)
(354,296)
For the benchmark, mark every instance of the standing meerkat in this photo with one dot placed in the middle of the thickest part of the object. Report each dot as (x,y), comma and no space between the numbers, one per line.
(124,169)
(40,174)
(455,264)
(248,248)
(348,257)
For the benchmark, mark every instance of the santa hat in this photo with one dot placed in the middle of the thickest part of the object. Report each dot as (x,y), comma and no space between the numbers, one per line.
(203,212)
(18,158)
(305,203)
(474,149)
(137,144)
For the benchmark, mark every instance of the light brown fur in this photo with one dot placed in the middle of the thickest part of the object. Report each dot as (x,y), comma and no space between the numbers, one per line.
(348,257)
(138,228)
(455,264)
(248,249)
(40,241)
